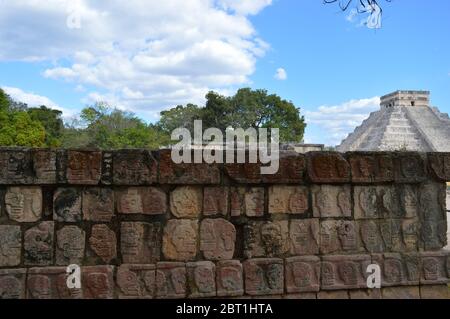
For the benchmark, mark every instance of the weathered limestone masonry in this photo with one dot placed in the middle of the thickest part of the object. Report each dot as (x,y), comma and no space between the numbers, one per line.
(141,226)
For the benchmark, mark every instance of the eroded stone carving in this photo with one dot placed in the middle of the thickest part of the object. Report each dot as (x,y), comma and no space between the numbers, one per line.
(180,239)
(140,242)
(70,245)
(38,244)
(10,245)
(217,239)
(262,239)
(331,201)
(103,242)
(264,276)
(186,202)
(24,204)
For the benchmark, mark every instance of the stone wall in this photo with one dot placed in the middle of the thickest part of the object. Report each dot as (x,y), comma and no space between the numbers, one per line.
(141,226)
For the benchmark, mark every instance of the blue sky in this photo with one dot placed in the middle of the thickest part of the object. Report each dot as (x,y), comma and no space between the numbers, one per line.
(145,56)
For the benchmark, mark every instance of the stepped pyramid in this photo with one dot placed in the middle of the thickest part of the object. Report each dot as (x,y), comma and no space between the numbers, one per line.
(405,121)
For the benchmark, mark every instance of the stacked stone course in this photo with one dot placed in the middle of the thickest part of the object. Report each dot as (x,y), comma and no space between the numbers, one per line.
(141,226)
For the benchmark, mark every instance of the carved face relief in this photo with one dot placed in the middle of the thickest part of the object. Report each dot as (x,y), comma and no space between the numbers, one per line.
(10,288)
(348,271)
(302,273)
(204,279)
(128,282)
(328,277)
(271,237)
(393,271)
(98,285)
(347,235)
(430,269)
(273,274)
(184,239)
(40,287)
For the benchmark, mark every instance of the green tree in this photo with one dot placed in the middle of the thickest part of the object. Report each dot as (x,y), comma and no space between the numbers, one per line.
(52,122)
(18,129)
(246,109)
(4,100)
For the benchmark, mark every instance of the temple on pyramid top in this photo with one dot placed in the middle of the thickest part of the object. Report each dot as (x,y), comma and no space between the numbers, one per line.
(406,121)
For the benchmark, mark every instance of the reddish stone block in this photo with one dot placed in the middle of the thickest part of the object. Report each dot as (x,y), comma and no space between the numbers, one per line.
(140,243)
(44,166)
(186,173)
(97,282)
(70,245)
(344,272)
(291,170)
(264,276)
(134,167)
(84,167)
(142,200)
(24,204)
(12,283)
(398,269)
(186,201)
(327,167)
(136,281)
(38,244)
(336,295)
(302,274)
(370,234)
(10,245)
(215,200)
(15,166)
(365,294)
(391,233)
(434,267)
(217,239)
(406,292)
(409,167)
(439,166)
(288,200)
(266,239)
(339,236)
(304,295)
(67,205)
(103,243)
(435,292)
(50,283)
(180,239)
(331,201)
(98,204)
(247,201)
(304,236)
(372,202)
(373,167)
(170,280)
(229,278)
(201,279)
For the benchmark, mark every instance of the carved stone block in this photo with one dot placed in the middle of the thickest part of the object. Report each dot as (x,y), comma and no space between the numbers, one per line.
(331,201)
(247,201)
(288,200)
(304,236)
(38,244)
(302,274)
(136,281)
(170,280)
(398,269)
(12,283)
(201,279)
(142,200)
(217,239)
(84,167)
(372,202)
(24,204)
(10,245)
(98,204)
(215,200)
(409,202)
(50,283)
(264,276)
(432,198)
(339,236)
(371,167)
(433,235)
(370,234)
(439,164)
(15,167)
(70,245)
(391,233)
(229,278)
(434,268)
(327,167)
(405,292)
(266,239)
(98,282)
(434,292)
(344,272)
(409,167)
(180,239)
(103,243)
(134,167)
(67,205)
(140,243)
(186,202)
(44,166)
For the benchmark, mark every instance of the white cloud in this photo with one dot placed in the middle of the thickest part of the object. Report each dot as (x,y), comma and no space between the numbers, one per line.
(337,121)
(33,100)
(147,55)
(281,74)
